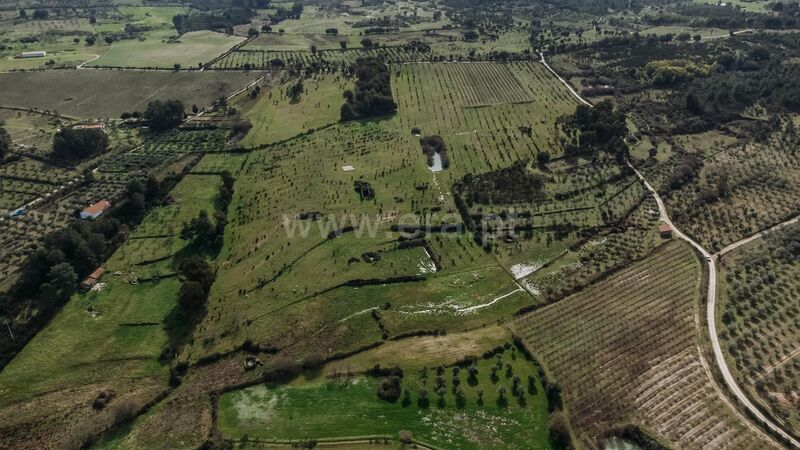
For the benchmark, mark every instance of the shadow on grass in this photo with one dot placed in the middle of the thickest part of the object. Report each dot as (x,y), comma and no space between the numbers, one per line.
(178,324)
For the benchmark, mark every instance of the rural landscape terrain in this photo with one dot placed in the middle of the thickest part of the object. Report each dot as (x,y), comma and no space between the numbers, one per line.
(398,224)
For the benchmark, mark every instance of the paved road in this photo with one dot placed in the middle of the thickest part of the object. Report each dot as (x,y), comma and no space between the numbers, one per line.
(719,357)
(758,235)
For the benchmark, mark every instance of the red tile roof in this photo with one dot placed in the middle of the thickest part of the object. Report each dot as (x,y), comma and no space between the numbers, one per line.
(97,273)
(98,207)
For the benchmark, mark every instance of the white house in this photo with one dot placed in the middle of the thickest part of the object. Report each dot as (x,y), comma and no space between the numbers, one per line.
(94,211)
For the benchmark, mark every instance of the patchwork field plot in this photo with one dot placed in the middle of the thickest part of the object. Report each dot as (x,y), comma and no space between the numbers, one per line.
(738,191)
(110,339)
(102,93)
(253,58)
(459,418)
(486,84)
(431,97)
(276,116)
(626,350)
(189,50)
(30,131)
(759,316)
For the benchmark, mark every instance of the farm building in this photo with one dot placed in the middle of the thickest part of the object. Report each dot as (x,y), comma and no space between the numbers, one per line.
(665,230)
(34,54)
(92,279)
(95,210)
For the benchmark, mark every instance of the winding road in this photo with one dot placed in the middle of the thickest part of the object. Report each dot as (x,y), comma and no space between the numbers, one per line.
(711,259)
(719,357)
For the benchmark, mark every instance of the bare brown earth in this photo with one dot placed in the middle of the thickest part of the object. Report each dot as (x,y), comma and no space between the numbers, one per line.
(109,93)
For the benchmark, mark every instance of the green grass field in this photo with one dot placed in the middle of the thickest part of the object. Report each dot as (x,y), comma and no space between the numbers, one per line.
(350,408)
(155,50)
(275,117)
(113,336)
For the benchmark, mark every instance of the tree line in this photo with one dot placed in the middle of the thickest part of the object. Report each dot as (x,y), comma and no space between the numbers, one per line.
(201,230)
(223,15)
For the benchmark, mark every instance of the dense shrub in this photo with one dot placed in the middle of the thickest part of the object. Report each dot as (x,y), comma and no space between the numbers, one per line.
(162,116)
(509,185)
(432,145)
(75,144)
(373,93)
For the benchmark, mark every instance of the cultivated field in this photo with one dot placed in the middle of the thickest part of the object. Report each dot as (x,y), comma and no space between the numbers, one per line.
(468,413)
(156,50)
(743,187)
(626,350)
(759,314)
(102,93)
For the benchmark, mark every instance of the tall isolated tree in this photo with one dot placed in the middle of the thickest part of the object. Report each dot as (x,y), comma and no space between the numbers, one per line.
(164,115)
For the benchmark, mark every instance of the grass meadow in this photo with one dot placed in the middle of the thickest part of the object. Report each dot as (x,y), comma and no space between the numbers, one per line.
(284,287)
(156,50)
(349,408)
(276,117)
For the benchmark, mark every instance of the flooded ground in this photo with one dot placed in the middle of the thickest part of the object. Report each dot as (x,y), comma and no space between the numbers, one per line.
(437,163)
(618,443)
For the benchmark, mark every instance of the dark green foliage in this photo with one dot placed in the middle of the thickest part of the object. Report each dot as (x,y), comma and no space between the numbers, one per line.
(192,296)
(431,145)
(509,185)
(785,245)
(282,14)
(201,230)
(216,17)
(162,116)
(686,171)
(723,96)
(364,190)
(5,143)
(295,91)
(372,96)
(389,389)
(40,14)
(597,129)
(542,158)
(559,431)
(72,144)
(197,278)
(50,275)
